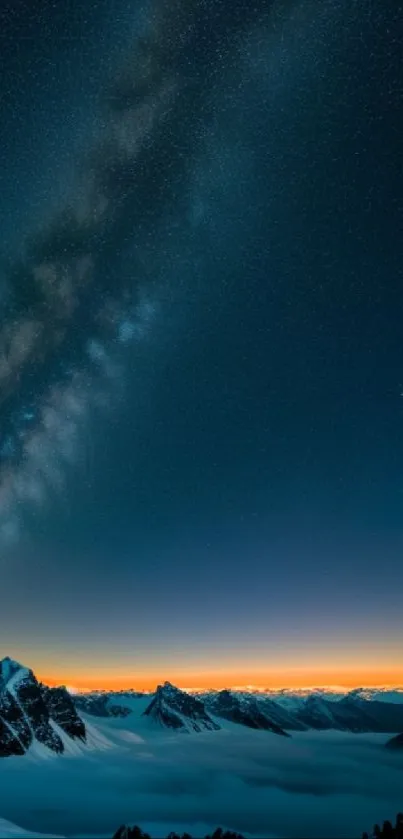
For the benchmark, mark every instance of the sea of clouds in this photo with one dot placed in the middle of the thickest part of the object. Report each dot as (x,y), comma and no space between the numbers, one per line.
(315,784)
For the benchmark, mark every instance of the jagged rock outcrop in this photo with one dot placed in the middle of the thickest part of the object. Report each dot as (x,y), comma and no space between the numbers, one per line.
(357,711)
(99,705)
(351,713)
(29,711)
(245,710)
(175,709)
(62,710)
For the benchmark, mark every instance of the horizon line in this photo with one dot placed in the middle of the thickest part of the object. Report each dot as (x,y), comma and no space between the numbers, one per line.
(248,687)
(289,680)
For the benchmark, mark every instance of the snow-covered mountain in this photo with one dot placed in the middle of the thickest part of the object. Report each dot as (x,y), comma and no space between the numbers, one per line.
(175,709)
(292,697)
(100,705)
(362,710)
(320,713)
(283,717)
(357,711)
(8,830)
(242,709)
(392,695)
(32,712)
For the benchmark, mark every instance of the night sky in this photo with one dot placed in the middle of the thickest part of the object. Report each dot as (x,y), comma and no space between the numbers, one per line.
(201,351)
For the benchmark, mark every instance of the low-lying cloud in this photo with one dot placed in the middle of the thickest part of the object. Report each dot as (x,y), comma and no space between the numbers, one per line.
(322,784)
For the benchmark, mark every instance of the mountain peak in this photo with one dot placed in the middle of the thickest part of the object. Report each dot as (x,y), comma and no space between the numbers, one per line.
(9,667)
(173,708)
(29,710)
(10,662)
(167,688)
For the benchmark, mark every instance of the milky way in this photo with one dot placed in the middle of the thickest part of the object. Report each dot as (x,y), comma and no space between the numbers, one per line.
(70,306)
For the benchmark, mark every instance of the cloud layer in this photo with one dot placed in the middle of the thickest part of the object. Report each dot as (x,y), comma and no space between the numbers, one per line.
(316,784)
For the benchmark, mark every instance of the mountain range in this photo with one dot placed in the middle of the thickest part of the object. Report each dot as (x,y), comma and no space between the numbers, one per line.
(33,714)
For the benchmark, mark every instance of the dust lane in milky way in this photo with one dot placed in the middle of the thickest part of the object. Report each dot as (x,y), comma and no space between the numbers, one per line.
(71,294)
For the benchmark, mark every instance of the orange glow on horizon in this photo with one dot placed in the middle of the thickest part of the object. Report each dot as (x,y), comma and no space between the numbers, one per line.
(292,678)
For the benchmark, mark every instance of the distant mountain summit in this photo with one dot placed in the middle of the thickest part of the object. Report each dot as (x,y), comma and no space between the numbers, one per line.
(352,713)
(173,708)
(346,714)
(32,712)
(362,710)
(100,705)
(242,709)
(358,712)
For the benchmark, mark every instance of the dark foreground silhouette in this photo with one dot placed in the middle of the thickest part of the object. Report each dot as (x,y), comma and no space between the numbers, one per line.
(136,833)
(387,831)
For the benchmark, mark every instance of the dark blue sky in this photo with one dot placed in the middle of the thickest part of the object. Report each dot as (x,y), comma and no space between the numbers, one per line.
(240,510)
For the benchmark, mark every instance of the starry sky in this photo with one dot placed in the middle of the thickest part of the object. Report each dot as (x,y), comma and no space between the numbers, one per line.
(201,356)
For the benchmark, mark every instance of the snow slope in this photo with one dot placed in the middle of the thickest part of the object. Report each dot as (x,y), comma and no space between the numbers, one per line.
(12,831)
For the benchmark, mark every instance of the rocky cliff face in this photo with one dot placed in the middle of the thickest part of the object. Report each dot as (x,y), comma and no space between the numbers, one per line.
(62,710)
(29,711)
(175,709)
(351,713)
(99,705)
(244,710)
(358,711)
